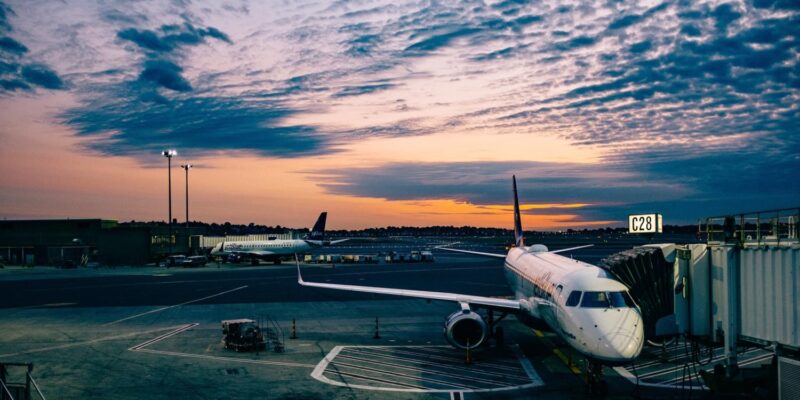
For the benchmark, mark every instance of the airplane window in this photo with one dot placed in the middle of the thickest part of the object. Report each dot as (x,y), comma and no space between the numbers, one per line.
(621,299)
(559,288)
(595,300)
(629,300)
(574,298)
(617,300)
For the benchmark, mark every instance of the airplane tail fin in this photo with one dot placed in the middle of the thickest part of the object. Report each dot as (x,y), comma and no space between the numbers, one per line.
(318,231)
(519,240)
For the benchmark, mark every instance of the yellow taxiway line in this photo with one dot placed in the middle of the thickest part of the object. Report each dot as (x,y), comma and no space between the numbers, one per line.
(574,369)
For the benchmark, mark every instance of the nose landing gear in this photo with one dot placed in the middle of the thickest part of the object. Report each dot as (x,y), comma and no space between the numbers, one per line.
(594,379)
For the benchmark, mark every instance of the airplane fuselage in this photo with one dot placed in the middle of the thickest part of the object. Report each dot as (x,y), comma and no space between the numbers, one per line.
(263,247)
(542,281)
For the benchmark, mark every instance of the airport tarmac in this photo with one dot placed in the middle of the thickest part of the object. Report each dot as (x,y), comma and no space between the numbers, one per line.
(155,333)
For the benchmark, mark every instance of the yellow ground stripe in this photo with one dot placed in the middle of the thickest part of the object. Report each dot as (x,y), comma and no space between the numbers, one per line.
(575,370)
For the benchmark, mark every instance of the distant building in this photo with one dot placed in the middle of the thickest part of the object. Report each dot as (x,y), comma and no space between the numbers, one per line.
(79,241)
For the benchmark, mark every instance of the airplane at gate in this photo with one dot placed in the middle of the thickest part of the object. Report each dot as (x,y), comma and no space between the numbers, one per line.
(274,249)
(582,303)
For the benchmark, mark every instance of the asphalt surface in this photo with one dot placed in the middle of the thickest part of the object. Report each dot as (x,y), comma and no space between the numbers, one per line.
(147,332)
(265,284)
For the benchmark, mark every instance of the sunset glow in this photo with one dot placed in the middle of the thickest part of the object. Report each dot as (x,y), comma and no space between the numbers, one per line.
(399,113)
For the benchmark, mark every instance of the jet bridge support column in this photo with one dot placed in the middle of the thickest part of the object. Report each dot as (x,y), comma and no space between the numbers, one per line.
(725,267)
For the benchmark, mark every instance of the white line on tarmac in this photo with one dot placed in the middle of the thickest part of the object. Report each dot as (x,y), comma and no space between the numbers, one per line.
(659,372)
(103,339)
(226,359)
(176,305)
(162,337)
(140,348)
(632,379)
(754,360)
(320,370)
(453,385)
(498,364)
(526,365)
(428,370)
(438,364)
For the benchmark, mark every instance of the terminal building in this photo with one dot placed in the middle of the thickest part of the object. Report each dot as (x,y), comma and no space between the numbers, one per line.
(72,242)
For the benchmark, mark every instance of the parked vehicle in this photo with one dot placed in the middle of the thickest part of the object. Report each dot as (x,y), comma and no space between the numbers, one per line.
(175,259)
(242,335)
(194,261)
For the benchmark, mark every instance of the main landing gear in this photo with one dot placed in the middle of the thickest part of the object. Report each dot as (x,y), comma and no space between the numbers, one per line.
(496,333)
(594,379)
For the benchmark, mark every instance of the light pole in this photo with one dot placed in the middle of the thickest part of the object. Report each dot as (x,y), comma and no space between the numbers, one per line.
(169,154)
(187,167)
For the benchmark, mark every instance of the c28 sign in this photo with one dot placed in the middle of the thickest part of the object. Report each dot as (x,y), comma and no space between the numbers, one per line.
(644,223)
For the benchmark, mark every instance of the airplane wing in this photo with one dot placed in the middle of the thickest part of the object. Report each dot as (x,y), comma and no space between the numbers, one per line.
(338,241)
(488,302)
(477,253)
(571,248)
(257,253)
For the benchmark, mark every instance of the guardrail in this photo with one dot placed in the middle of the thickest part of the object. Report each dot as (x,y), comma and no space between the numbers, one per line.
(771,227)
(21,389)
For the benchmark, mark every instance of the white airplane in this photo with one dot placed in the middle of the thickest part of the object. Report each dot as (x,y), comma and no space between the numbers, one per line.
(274,249)
(580,302)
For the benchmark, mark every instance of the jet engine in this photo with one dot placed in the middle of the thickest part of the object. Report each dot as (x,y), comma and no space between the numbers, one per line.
(465,328)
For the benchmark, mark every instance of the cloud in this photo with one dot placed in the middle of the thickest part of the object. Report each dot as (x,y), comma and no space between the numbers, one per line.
(641,47)
(162,109)
(644,182)
(640,83)
(8,67)
(120,123)
(438,41)
(13,84)
(40,75)
(160,68)
(362,45)
(574,43)
(487,183)
(363,89)
(166,74)
(4,12)
(725,14)
(171,37)
(12,46)
(691,30)
(144,39)
(692,88)
(624,22)
(777,4)
(16,73)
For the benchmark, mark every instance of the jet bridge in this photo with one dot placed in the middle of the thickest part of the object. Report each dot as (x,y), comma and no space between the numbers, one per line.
(740,289)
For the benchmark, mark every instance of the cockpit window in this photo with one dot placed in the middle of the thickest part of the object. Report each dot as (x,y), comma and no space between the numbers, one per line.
(574,298)
(607,299)
(595,300)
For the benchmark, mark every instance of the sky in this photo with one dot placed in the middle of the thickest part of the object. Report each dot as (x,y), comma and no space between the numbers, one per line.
(399,113)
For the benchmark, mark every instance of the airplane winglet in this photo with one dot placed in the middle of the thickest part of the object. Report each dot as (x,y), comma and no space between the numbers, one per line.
(571,248)
(299,276)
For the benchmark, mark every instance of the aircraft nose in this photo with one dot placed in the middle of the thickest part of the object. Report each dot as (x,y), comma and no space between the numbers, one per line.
(625,340)
(625,345)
